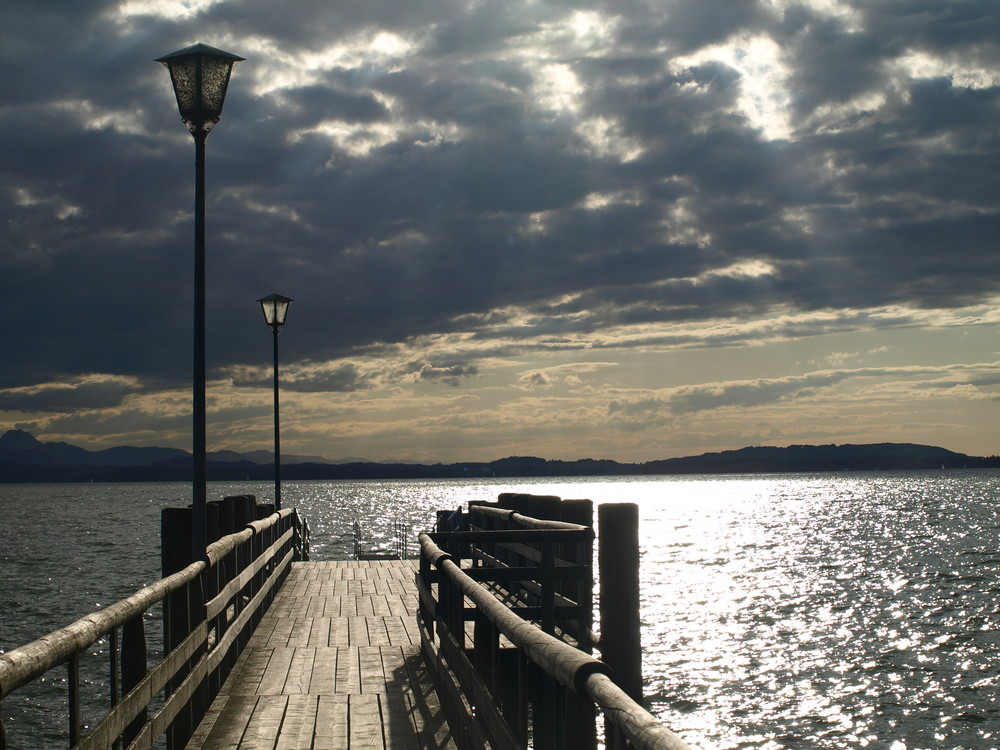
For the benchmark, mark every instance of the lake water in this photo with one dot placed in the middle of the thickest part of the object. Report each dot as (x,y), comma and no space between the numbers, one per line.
(779,611)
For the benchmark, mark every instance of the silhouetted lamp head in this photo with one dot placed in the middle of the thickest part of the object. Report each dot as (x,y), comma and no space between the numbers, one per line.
(275,309)
(200,75)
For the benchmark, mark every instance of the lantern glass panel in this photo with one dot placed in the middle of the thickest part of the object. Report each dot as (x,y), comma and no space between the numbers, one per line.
(280,311)
(214,82)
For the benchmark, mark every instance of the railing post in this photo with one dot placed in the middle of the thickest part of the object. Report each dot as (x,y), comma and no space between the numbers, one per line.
(133,669)
(485,642)
(73,677)
(175,555)
(544,716)
(426,616)
(580,723)
(114,652)
(548,583)
(198,706)
(523,694)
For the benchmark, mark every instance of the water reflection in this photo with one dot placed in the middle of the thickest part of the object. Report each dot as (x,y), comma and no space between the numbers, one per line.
(839,612)
(828,611)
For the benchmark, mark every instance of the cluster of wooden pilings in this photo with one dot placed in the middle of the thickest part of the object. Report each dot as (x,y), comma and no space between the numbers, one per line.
(222,517)
(506,616)
(617,575)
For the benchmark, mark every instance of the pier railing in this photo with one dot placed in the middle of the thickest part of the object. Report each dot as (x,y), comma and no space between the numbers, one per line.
(505,623)
(210,609)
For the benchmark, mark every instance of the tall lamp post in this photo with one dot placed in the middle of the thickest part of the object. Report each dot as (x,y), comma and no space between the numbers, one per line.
(275,309)
(200,76)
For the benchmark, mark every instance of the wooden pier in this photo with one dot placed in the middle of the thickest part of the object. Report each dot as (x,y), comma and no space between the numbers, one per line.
(486,643)
(334,665)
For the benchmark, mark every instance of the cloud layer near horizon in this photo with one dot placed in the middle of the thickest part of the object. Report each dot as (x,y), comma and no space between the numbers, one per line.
(463,196)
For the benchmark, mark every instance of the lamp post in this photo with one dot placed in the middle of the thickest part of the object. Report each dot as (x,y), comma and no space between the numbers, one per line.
(275,309)
(200,76)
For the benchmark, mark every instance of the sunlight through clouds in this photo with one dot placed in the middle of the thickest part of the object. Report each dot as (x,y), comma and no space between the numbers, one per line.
(166,9)
(764,100)
(606,138)
(920,64)
(732,220)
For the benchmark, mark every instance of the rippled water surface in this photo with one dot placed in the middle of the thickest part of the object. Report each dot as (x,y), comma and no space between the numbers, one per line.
(779,611)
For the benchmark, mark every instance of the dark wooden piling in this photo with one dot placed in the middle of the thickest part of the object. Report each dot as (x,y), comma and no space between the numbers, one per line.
(618,562)
(212,522)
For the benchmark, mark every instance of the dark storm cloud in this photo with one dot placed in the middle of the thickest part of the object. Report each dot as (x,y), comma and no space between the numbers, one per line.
(67,397)
(427,191)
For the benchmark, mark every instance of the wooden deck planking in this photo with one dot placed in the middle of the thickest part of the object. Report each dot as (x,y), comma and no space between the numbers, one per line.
(334,665)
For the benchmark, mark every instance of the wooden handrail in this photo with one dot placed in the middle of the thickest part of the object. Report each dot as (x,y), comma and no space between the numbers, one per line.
(519,519)
(250,588)
(33,660)
(567,664)
(643,730)
(578,671)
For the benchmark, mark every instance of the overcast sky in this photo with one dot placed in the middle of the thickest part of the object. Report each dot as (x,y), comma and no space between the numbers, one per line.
(626,230)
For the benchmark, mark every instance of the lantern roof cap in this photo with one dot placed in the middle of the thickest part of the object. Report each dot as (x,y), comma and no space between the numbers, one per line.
(200,49)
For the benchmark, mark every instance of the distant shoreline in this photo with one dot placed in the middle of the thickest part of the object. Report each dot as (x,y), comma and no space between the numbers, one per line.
(752,460)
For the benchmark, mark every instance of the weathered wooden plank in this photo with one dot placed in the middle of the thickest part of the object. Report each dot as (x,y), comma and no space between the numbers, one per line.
(201,734)
(331,723)
(262,730)
(396,631)
(299,724)
(378,635)
(300,630)
(358,628)
(401,731)
(398,606)
(365,606)
(300,670)
(251,671)
(319,634)
(275,675)
(348,671)
(372,675)
(424,706)
(324,672)
(380,605)
(340,632)
(365,723)
(278,637)
(229,724)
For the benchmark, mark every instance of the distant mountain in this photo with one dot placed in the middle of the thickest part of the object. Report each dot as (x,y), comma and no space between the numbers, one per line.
(265,457)
(25,459)
(20,447)
(879,456)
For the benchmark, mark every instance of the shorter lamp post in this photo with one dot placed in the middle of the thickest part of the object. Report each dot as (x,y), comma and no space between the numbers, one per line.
(275,309)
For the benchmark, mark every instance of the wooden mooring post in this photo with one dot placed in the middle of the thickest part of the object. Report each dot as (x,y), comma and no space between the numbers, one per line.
(621,627)
(618,567)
